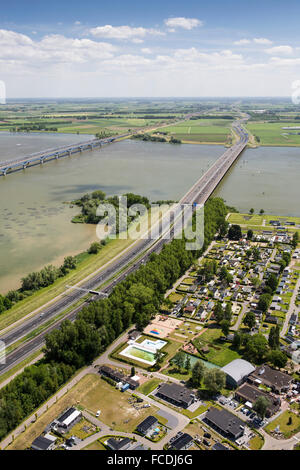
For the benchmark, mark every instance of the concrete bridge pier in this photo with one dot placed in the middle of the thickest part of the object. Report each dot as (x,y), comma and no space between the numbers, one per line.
(56,156)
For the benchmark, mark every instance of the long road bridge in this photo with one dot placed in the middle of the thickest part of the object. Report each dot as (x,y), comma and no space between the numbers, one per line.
(39,158)
(126,263)
(45,156)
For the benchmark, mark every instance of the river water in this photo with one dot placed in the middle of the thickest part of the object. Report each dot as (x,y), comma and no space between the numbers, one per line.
(35,227)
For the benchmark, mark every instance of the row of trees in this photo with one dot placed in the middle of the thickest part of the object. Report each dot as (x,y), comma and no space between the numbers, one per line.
(258,348)
(73,345)
(35,281)
(213,380)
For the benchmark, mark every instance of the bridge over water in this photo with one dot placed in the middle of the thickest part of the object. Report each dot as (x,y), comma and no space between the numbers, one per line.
(39,158)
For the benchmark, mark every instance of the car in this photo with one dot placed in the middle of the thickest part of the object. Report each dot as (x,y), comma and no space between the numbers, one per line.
(207,435)
(98,414)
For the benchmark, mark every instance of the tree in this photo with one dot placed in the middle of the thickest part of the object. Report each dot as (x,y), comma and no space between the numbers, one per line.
(179,360)
(132,371)
(225,324)
(277,358)
(272,282)
(198,372)
(70,262)
(214,380)
(223,229)
(159,355)
(237,341)
(261,405)
(264,302)
(235,233)
(251,211)
(255,254)
(187,365)
(274,337)
(250,234)
(250,320)
(295,240)
(256,348)
(228,312)
(219,313)
(94,248)
(261,212)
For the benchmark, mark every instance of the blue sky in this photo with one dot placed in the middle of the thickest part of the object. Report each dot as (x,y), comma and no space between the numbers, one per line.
(158,48)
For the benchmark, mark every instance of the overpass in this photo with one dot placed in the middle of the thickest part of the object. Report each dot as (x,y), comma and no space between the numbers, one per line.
(45,156)
(124,264)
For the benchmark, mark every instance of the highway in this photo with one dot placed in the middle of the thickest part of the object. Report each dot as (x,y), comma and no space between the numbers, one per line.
(124,264)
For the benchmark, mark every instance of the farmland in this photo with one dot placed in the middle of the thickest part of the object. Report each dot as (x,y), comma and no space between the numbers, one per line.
(212,131)
(274,133)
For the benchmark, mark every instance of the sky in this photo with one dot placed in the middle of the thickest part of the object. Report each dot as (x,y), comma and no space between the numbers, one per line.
(165,48)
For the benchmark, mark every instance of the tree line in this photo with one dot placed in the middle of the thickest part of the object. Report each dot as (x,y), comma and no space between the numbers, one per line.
(134,300)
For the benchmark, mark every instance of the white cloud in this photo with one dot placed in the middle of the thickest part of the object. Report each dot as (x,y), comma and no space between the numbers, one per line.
(53,49)
(242,42)
(123,32)
(280,50)
(263,41)
(146,50)
(184,23)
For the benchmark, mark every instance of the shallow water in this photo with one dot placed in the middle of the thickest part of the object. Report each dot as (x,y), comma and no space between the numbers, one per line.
(35,227)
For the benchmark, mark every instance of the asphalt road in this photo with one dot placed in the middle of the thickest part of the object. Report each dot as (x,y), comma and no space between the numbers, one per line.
(199,194)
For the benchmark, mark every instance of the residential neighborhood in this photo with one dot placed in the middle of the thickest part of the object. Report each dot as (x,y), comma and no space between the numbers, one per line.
(217,368)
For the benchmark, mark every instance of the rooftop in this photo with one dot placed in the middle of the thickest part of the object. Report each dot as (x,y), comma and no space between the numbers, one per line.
(238,369)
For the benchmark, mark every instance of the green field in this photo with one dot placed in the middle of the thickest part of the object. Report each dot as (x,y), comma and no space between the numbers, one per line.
(202,131)
(273,134)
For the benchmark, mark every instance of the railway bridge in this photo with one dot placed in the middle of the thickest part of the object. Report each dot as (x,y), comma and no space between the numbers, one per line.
(39,158)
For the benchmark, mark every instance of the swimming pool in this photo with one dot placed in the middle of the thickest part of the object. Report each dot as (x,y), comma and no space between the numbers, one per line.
(145,351)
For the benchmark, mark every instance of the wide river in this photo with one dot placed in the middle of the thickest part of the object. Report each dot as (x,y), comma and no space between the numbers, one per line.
(35,227)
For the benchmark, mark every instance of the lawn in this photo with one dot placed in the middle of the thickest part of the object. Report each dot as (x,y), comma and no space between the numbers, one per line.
(116,409)
(288,430)
(256,443)
(149,386)
(82,430)
(219,353)
(97,445)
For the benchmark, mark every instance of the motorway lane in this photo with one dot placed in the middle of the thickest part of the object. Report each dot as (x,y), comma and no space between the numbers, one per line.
(207,184)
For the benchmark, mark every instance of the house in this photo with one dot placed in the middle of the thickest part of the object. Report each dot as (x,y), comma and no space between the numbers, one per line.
(182,442)
(67,420)
(219,446)
(147,425)
(115,444)
(46,442)
(249,394)
(237,372)
(278,381)
(225,423)
(272,319)
(294,319)
(118,377)
(176,394)
(190,309)
(134,335)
